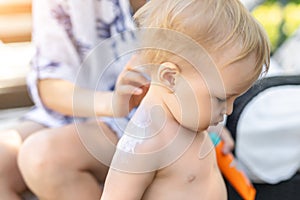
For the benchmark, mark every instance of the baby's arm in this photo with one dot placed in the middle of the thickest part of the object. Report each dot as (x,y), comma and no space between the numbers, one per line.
(126,186)
(132,170)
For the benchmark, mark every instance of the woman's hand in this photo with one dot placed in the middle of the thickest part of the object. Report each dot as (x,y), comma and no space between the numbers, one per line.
(131,87)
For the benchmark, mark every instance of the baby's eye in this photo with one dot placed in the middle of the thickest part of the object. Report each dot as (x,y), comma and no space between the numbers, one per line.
(221,100)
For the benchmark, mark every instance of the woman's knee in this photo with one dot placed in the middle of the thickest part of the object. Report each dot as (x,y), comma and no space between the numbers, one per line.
(54,152)
(10,143)
(36,158)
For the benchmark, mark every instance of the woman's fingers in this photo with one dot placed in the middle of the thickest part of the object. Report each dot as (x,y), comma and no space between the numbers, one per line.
(129,90)
(134,78)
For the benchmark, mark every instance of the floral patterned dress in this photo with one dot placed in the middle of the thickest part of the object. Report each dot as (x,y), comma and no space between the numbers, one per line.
(78,41)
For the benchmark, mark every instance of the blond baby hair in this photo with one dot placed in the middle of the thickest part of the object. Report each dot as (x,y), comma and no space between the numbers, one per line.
(213,24)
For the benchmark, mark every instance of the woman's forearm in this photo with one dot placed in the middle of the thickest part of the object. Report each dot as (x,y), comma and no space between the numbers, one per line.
(66,98)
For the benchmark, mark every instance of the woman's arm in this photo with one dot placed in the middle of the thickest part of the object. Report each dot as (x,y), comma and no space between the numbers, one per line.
(58,95)
(66,98)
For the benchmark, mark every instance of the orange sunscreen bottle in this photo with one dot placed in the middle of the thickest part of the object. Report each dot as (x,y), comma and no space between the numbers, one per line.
(233,175)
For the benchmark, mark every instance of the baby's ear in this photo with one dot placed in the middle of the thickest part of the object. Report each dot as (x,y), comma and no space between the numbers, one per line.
(167,74)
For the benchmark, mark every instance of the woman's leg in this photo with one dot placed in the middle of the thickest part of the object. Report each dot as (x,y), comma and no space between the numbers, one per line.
(68,162)
(11,182)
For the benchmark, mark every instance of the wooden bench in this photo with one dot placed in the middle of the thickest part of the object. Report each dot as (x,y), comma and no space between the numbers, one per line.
(15,52)
(15,20)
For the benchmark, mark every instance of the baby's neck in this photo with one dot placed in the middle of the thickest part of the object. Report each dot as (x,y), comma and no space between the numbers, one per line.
(159,106)
(154,112)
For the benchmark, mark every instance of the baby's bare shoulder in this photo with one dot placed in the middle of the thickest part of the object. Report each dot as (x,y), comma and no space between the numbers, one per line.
(135,143)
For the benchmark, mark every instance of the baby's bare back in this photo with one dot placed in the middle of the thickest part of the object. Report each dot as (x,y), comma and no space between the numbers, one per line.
(193,176)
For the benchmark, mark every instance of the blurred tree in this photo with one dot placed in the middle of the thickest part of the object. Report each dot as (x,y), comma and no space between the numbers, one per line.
(291,17)
(270,15)
(280,18)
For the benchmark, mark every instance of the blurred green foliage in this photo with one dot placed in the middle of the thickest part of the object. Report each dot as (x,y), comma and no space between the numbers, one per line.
(280,18)
(291,16)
